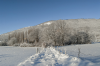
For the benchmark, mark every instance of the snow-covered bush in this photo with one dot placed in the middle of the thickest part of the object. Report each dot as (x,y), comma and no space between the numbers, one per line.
(26,45)
(33,36)
(16,44)
(80,38)
(12,41)
(3,43)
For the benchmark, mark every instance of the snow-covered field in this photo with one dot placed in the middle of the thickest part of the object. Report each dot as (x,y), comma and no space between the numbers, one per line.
(12,56)
(90,53)
(26,56)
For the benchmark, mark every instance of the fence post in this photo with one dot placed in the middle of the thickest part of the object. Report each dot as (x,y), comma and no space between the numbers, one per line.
(57,48)
(65,51)
(79,52)
(37,50)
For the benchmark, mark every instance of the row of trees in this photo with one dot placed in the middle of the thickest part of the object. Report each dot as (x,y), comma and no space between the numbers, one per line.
(57,33)
(61,34)
(28,36)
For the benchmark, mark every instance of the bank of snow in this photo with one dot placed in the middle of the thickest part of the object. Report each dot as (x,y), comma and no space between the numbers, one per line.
(88,52)
(50,57)
(89,56)
(26,56)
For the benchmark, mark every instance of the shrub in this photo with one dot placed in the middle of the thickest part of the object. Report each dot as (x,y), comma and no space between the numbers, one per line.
(12,41)
(3,43)
(16,45)
(80,38)
(26,45)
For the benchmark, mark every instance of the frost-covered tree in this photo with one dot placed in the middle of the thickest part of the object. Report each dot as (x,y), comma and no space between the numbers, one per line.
(12,41)
(34,35)
(58,32)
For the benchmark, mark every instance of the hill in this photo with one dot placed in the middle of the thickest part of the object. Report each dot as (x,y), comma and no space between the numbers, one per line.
(91,25)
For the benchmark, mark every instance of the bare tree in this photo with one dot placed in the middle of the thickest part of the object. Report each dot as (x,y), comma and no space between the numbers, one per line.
(8,37)
(58,32)
(51,33)
(81,36)
(34,35)
(12,41)
(63,31)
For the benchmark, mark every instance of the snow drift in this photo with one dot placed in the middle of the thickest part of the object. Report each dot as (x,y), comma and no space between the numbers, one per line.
(51,57)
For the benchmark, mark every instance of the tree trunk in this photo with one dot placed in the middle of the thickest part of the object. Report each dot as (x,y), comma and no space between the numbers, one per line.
(55,43)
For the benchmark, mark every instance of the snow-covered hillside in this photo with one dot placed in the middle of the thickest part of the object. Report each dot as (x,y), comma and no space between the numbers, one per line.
(48,23)
(93,24)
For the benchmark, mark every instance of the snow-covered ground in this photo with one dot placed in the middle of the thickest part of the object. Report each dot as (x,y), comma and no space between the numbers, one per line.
(48,23)
(20,56)
(51,57)
(12,56)
(89,56)
(88,52)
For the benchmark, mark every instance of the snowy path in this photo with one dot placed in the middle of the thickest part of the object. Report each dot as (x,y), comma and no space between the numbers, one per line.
(51,57)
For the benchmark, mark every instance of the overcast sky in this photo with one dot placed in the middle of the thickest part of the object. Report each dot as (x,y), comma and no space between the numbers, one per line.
(16,14)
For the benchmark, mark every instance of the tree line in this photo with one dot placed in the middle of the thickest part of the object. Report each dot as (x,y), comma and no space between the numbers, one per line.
(59,33)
